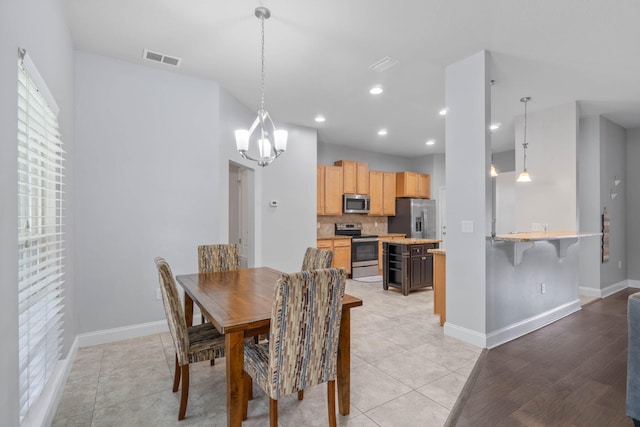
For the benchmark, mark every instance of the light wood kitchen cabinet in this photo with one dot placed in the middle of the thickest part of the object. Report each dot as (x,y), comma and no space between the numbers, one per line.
(355,176)
(329,188)
(413,184)
(382,190)
(424,186)
(341,249)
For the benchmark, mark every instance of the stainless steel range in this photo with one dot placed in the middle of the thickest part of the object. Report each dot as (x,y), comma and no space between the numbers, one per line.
(364,249)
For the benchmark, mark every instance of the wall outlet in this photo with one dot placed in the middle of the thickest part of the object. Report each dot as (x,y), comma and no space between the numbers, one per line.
(543,288)
(158,294)
(467,226)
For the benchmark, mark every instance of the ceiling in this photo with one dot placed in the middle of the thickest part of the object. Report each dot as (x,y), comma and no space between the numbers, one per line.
(318,55)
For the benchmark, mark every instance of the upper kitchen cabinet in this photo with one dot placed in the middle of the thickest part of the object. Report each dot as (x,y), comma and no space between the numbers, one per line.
(355,176)
(382,189)
(412,184)
(329,190)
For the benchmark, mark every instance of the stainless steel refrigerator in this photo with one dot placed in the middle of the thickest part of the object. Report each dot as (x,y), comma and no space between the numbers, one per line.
(414,217)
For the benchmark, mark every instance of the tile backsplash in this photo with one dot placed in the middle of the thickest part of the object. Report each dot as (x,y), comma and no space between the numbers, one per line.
(370,224)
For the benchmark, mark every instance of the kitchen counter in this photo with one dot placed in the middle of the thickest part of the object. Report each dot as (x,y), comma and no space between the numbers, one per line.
(521,242)
(411,241)
(437,251)
(391,236)
(541,235)
(332,237)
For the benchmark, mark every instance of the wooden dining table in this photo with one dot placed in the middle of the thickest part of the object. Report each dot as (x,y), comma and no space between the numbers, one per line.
(238,303)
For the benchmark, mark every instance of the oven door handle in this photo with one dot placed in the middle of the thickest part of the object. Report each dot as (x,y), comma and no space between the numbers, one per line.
(369,239)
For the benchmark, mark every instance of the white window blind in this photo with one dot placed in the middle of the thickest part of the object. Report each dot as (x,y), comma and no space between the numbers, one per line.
(40,233)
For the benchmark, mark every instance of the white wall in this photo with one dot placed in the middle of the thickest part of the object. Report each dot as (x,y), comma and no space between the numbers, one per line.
(632,190)
(551,198)
(154,153)
(148,184)
(329,153)
(41,29)
(468,196)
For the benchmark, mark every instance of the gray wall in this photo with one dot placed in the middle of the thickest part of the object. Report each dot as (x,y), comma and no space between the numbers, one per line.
(633,204)
(505,161)
(589,210)
(41,29)
(147,184)
(329,153)
(154,153)
(613,149)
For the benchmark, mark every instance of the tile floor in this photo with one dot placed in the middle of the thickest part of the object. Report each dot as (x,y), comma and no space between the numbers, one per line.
(404,372)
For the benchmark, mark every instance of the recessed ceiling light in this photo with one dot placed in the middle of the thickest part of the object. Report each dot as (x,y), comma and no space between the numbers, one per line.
(443,112)
(320,119)
(376,90)
(382,132)
(430,142)
(494,126)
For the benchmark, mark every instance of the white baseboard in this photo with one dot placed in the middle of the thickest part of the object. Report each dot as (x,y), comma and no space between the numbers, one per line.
(609,290)
(43,410)
(123,333)
(516,330)
(464,334)
(634,283)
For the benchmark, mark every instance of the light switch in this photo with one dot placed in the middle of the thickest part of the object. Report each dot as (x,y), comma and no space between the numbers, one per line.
(467,226)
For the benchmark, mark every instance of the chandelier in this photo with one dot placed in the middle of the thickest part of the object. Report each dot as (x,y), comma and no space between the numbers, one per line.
(524,175)
(270,142)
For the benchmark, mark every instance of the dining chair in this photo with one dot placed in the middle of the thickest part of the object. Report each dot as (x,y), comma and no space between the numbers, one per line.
(315,258)
(192,344)
(303,345)
(219,257)
(222,257)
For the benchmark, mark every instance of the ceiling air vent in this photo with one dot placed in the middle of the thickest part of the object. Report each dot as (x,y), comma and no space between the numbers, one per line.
(384,64)
(161,58)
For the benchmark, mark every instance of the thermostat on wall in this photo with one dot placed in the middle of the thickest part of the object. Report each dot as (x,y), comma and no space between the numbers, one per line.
(273,203)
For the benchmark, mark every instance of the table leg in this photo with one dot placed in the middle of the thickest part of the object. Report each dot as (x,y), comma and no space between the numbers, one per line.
(234,355)
(188,309)
(344,363)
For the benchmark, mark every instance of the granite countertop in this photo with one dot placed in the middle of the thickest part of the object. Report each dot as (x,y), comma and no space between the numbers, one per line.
(437,251)
(541,235)
(332,237)
(415,241)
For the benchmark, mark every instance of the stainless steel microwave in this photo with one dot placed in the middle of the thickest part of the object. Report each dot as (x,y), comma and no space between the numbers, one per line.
(356,203)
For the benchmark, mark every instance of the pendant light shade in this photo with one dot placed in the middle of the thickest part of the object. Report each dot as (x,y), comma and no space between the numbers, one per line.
(524,175)
(494,171)
(268,141)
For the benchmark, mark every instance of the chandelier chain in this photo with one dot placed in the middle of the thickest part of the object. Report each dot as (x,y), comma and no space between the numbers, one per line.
(262,67)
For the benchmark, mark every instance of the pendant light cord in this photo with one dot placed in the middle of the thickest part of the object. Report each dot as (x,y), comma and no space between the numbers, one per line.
(525,144)
(262,65)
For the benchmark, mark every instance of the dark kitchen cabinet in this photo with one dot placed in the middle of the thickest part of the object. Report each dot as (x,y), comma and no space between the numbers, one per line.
(407,266)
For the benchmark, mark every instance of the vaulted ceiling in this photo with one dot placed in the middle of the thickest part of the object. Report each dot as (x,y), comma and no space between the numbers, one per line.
(318,55)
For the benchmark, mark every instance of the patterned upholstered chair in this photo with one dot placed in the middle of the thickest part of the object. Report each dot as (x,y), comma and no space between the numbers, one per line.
(303,345)
(212,258)
(192,344)
(315,258)
(217,258)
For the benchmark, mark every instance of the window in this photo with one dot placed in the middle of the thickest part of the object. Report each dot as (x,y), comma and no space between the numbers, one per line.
(40,233)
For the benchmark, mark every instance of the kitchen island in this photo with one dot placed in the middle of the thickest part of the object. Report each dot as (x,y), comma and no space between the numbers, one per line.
(407,264)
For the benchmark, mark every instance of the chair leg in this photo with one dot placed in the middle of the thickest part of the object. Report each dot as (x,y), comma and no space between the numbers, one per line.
(176,376)
(273,413)
(213,361)
(331,402)
(300,394)
(248,395)
(184,395)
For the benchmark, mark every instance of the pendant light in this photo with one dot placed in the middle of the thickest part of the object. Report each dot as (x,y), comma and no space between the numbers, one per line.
(493,171)
(270,142)
(524,175)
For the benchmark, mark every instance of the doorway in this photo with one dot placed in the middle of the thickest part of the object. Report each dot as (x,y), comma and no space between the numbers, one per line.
(241,212)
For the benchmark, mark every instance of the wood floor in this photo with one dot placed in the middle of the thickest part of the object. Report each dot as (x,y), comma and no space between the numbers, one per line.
(570,373)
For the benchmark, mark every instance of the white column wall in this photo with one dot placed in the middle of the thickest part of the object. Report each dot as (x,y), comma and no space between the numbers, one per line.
(468,189)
